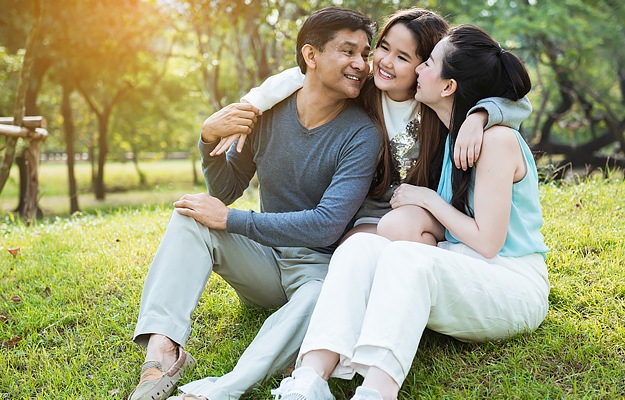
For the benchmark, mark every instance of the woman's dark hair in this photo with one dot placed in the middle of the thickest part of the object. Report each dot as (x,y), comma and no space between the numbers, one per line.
(481,69)
(323,25)
(427,29)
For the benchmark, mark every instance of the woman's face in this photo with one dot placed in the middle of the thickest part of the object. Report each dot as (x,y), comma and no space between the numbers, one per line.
(394,63)
(429,83)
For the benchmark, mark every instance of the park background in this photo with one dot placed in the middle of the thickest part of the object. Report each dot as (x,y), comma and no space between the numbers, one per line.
(125,85)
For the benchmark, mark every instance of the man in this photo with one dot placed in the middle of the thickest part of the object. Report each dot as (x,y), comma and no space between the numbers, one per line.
(314,154)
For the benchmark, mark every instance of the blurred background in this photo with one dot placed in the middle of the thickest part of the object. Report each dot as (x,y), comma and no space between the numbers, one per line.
(125,84)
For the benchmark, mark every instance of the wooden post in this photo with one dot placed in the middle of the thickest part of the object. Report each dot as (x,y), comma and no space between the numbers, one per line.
(34,151)
(35,137)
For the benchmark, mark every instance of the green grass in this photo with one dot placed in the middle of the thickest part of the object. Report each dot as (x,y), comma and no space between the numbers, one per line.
(79,281)
(167,181)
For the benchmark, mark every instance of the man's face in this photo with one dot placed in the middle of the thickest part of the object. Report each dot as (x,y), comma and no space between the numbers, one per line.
(343,66)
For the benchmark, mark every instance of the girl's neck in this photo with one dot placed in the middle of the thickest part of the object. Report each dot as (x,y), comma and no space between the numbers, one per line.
(400,97)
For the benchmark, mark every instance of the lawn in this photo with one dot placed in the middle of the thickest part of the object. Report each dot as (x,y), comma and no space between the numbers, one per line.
(69,300)
(167,181)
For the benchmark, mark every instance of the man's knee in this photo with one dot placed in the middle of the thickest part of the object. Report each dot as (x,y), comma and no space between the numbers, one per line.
(308,294)
(186,229)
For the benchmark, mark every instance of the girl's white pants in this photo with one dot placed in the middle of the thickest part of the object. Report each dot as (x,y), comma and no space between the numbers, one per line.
(379,296)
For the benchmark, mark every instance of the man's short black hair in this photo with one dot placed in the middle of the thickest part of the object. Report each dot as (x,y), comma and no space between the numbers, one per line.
(323,25)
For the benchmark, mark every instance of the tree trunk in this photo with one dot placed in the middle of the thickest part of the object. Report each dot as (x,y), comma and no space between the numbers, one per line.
(7,162)
(68,126)
(565,86)
(103,121)
(40,67)
(18,111)
(264,70)
(92,162)
(32,194)
(196,180)
(621,78)
(20,161)
(135,161)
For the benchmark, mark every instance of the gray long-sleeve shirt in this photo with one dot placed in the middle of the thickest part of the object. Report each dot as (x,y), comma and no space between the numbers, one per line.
(311,182)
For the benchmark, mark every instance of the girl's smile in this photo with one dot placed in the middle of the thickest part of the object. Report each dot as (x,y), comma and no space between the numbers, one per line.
(394,63)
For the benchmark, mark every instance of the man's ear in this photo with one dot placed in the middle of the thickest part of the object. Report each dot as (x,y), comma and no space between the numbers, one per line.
(309,54)
(450,88)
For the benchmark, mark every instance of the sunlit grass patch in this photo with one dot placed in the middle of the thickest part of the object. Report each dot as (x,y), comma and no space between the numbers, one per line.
(71,294)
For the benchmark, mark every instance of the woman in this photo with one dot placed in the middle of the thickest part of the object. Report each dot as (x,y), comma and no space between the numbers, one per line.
(406,39)
(487,281)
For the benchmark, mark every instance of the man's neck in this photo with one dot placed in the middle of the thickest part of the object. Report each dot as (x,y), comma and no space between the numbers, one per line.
(315,108)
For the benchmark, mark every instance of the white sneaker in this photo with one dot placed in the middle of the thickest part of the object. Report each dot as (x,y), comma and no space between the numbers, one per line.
(303,384)
(364,393)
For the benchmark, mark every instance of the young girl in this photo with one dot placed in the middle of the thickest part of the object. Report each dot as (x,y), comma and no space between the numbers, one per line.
(406,40)
(488,281)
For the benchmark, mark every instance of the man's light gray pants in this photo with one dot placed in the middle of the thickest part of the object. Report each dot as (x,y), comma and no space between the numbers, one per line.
(285,277)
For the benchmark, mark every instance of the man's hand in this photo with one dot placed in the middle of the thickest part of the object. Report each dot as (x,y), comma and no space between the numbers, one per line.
(236,118)
(205,209)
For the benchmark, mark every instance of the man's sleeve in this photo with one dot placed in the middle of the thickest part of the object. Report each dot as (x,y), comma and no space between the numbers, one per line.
(227,175)
(275,89)
(503,111)
(323,225)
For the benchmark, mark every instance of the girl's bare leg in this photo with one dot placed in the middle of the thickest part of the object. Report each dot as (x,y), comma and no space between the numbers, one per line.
(322,361)
(411,223)
(382,382)
(368,228)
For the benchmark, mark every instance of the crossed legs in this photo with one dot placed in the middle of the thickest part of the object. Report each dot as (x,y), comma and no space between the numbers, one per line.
(262,276)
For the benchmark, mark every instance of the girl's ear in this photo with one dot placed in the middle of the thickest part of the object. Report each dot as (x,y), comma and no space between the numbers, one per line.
(450,88)
(309,54)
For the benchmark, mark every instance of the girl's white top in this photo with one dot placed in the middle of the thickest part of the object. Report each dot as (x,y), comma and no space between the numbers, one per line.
(278,87)
(397,114)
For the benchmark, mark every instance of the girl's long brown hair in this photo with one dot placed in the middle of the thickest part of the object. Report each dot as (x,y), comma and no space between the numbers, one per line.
(427,29)
(426,169)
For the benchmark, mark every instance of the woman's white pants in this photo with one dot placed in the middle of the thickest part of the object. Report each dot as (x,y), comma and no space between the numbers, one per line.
(379,296)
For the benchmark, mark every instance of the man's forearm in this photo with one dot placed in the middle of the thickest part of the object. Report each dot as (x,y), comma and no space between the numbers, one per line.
(223,180)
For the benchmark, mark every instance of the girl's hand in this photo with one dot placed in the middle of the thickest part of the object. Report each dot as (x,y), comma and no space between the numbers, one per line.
(407,194)
(469,140)
(225,142)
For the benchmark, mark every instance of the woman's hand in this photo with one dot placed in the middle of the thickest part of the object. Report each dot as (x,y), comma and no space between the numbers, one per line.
(407,194)
(469,141)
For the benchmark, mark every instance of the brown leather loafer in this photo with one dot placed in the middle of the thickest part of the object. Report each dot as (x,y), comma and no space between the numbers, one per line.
(156,385)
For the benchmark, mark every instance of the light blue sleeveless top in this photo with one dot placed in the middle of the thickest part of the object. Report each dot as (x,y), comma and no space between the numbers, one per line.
(526,217)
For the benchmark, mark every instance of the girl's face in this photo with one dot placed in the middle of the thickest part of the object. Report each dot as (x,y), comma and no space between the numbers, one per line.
(394,63)
(430,85)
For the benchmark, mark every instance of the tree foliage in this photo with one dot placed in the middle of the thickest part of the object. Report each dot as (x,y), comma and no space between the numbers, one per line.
(141,75)
(575,49)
